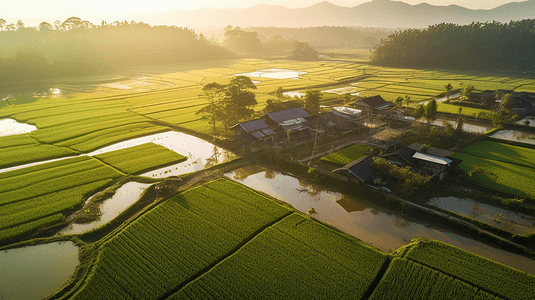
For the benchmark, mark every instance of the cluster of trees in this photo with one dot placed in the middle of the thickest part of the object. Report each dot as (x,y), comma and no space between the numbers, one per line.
(408,179)
(228,104)
(427,111)
(78,47)
(327,37)
(474,46)
(241,41)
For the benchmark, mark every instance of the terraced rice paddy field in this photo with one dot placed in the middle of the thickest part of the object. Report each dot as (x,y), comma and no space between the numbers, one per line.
(126,109)
(501,167)
(222,240)
(41,195)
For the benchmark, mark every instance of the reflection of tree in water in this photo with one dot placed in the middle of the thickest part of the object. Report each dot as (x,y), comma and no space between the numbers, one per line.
(351,204)
(242,173)
(214,159)
(270,174)
(374,211)
(310,189)
(401,223)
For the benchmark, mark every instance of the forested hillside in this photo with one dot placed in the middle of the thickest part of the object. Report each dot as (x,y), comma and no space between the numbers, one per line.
(77,47)
(327,36)
(487,46)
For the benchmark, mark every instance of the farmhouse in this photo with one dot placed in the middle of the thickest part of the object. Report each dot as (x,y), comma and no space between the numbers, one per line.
(431,161)
(289,121)
(358,171)
(344,118)
(375,104)
(253,131)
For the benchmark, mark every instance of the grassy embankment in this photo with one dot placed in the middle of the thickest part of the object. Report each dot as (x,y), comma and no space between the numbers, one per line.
(39,196)
(267,250)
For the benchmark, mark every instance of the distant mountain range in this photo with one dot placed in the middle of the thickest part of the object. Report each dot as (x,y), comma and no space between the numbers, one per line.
(376,13)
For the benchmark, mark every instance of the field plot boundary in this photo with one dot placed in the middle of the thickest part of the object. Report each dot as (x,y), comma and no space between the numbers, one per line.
(229,254)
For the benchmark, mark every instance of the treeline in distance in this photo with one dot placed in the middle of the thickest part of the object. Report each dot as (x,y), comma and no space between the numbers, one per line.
(327,37)
(478,46)
(77,47)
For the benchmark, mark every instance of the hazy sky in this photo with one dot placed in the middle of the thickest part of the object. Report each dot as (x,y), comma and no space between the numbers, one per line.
(112,10)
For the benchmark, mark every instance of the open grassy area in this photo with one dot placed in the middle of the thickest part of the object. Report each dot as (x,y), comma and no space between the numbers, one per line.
(343,157)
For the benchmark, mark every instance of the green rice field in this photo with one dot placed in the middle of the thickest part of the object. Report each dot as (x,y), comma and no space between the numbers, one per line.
(37,196)
(345,156)
(221,240)
(134,160)
(501,167)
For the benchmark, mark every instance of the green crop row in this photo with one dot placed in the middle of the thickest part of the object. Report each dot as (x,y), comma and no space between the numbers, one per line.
(480,272)
(101,138)
(140,158)
(502,152)
(405,279)
(16,140)
(16,231)
(343,157)
(18,155)
(294,259)
(176,240)
(16,188)
(28,210)
(75,129)
(499,176)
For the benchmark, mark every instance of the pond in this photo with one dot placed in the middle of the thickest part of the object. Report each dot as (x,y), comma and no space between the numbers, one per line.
(466,127)
(274,74)
(200,153)
(515,135)
(362,219)
(513,222)
(12,127)
(341,90)
(125,196)
(35,272)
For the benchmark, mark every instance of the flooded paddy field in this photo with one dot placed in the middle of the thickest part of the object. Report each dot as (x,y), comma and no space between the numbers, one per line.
(515,135)
(361,218)
(34,272)
(124,196)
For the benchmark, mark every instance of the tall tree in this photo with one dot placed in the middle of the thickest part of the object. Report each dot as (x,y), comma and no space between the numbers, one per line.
(419,112)
(238,100)
(448,88)
(312,101)
(431,111)
(213,93)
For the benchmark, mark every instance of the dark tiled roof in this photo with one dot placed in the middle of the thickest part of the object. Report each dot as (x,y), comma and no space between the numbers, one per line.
(288,114)
(361,168)
(253,125)
(375,101)
(405,153)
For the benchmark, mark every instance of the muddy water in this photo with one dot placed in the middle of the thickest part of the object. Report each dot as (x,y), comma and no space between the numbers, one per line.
(200,153)
(513,222)
(12,127)
(125,196)
(515,135)
(35,272)
(361,218)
